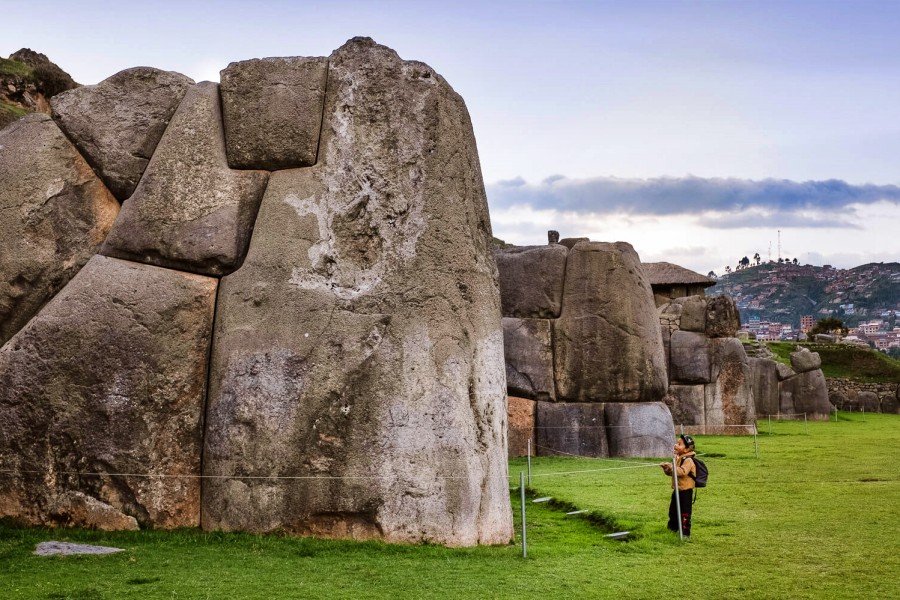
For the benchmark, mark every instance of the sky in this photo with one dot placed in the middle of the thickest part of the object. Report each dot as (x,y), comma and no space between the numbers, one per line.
(693,130)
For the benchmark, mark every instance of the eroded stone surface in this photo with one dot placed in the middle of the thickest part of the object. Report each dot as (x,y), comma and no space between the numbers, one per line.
(531,280)
(54,548)
(529,358)
(639,429)
(806,393)
(571,429)
(360,342)
(117,123)
(764,383)
(273,111)
(688,405)
(190,211)
(722,317)
(521,425)
(109,377)
(693,314)
(803,360)
(75,509)
(607,341)
(54,214)
(689,360)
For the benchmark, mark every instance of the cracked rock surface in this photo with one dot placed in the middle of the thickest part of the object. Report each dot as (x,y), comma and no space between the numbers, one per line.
(54,214)
(109,378)
(358,348)
(117,123)
(190,211)
(607,340)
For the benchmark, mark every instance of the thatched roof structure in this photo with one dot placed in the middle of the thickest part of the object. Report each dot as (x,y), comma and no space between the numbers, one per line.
(664,273)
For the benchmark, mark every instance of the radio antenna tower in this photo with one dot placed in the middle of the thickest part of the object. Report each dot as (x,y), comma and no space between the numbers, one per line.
(779,244)
(770,251)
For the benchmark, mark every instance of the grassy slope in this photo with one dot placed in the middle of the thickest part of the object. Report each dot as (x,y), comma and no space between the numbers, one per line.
(842,360)
(815,517)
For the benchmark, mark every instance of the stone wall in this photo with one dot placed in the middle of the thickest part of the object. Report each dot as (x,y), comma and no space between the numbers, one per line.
(583,347)
(298,287)
(848,394)
(710,387)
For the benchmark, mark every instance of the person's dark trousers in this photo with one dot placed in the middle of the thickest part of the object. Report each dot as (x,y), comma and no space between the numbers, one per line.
(686,497)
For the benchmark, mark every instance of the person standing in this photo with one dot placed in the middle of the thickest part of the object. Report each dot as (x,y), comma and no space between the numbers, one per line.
(686,471)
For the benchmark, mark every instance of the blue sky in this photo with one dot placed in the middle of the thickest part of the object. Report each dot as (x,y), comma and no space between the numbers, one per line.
(693,130)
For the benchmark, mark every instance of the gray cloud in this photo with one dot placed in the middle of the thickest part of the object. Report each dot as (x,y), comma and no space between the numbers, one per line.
(780,200)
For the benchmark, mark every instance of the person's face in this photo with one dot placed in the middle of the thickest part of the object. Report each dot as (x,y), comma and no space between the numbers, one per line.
(679,447)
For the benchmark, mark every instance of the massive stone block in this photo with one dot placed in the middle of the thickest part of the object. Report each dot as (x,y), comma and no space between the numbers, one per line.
(689,360)
(190,211)
(273,111)
(688,405)
(521,413)
(54,214)
(724,351)
(529,358)
(571,429)
(639,429)
(118,122)
(531,280)
(607,341)
(693,314)
(729,401)
(375,365)
(803,360)
(722,317)
(806,393)
(764,383)
(109,377)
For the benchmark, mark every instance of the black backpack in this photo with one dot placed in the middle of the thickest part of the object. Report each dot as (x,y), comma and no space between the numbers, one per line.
(702,473)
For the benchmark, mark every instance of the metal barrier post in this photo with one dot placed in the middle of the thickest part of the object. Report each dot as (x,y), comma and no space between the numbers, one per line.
(522,497)
(805,424)
(755,443)
(529,462)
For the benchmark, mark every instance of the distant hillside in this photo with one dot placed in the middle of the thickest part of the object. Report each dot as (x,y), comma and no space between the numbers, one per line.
(28,80)
(785,292)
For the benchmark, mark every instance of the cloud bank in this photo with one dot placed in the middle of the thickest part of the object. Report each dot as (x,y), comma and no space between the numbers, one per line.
(719,202)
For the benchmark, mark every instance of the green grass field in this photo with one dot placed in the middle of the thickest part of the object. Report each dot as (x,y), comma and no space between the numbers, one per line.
(816,516)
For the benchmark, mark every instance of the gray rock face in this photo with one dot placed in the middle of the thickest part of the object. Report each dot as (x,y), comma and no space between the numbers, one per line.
(377,352)
(803,360)
(688,405)
(521,425)
(693,313)
(868,401)
(118,122)
(570,242)
(273,111)
(607,340)
(806,393)
(639,429)
(764,383)
(67,549)
(783,371)
(54,214)
(689,360)
(109,377)
(722,317)
(531,280)
(724,351)
(571,428)
(75,509)
(190,211)
(729,398)
(529,358)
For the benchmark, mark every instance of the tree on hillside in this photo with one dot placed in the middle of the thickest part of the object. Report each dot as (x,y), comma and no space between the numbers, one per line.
(745,262)
(757,258)
(728,269)
(795,261)
(830,325)
(712,275)
(780,260)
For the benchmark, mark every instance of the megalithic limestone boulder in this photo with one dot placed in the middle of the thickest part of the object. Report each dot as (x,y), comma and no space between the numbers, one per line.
(803,360)
(117,123)
(529,358)
(764,383)
(273,111)
(607,341)
(689,359)
(108,380)
(531,280)
(688,406)
(54,214)
(639,429)
(358,349)
(190,211)
(722,317)
(729,398)
(806,393)
(571,429)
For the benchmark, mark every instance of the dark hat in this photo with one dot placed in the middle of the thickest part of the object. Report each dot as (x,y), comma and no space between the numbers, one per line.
(688,441)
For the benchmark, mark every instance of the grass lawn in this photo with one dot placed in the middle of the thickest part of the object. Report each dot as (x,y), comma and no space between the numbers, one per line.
(816,516)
